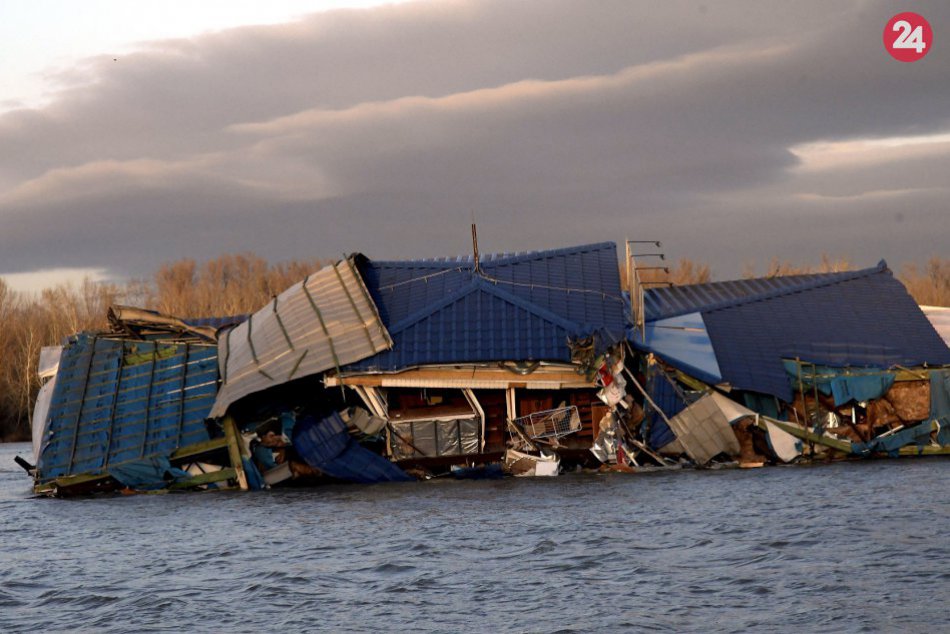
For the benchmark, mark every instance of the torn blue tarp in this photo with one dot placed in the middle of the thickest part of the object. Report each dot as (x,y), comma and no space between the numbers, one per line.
(860,388)
(148,474)
(940,404)
(806,376)
(890,444)
(326,445)
(844,384)
(255,481)
(764,404)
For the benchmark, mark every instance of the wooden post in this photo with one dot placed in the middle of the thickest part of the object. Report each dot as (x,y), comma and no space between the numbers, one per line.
(235,451)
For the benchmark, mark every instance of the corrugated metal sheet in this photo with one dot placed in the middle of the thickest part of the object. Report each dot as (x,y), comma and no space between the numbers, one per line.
(117,401)
(326,321)
(520,307)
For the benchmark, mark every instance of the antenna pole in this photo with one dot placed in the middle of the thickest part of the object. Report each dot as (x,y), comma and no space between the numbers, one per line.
(478,268)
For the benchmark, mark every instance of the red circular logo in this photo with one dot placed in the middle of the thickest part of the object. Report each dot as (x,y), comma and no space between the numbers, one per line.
(908,37)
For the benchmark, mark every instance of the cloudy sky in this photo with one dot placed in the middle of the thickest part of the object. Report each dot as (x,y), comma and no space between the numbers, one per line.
(733,132)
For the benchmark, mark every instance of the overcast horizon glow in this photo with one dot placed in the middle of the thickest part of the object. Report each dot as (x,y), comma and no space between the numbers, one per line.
(733,132)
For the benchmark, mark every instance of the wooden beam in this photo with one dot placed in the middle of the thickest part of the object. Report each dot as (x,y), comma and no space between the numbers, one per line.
(66,482)
(472,376)
(906,374)
(205,478)
(234,451)
(199,448)
(844,446)
(926,450)
(694,384)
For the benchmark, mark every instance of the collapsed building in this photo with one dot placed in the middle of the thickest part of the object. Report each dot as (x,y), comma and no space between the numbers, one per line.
(530,363)
(839,363)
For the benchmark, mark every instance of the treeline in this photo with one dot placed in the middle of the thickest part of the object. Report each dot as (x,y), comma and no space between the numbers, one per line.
(240,284)
(225,286)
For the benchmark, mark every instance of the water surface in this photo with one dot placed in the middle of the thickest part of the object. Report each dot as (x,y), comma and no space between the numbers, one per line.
(833,548)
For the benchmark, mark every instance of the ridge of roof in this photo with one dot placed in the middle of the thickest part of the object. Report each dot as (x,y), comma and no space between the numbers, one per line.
(518,306)
(491,259)
(787,285)
(819,282)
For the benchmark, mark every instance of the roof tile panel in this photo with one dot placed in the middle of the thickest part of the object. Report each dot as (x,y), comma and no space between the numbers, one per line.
(522,306)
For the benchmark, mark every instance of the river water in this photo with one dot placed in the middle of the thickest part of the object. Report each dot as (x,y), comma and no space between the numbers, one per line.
(832,548)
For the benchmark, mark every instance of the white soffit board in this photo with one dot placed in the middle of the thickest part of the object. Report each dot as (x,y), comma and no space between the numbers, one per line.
(326,321)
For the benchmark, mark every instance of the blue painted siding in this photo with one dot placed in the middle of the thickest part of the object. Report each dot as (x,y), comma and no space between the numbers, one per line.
(117,401)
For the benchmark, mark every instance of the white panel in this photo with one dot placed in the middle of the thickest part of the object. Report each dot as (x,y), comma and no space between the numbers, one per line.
(785,446)
(49,361)
(730,409)
(704,431)
(40,414)
(330,322)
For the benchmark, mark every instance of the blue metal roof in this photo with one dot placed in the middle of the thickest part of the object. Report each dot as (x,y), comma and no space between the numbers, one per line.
(117,401)
(860,318)
(520,306)
(664,302)
(683,343)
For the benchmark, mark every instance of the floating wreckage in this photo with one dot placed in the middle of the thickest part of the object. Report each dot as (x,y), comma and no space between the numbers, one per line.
(527,364)
(827,365)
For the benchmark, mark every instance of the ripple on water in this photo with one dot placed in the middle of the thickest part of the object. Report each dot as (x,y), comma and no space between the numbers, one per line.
(668,552)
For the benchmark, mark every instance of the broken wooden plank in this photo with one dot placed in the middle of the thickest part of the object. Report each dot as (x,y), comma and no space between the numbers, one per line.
(547,377)
(843,446)
(199,448)
(234,451)
(65,483)
(205,478)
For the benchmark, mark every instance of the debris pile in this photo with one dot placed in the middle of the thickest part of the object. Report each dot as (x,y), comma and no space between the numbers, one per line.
(527,364)
(825,365)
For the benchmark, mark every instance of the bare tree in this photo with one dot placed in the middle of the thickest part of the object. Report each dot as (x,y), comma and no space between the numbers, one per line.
(928,284)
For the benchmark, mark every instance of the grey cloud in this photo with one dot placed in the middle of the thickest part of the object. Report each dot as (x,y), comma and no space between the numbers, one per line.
(552,122)
(167,98)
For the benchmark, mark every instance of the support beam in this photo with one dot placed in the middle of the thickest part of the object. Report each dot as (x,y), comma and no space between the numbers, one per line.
(205,478)
(545,377)
(234,451)
(844,446)
(197,449)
